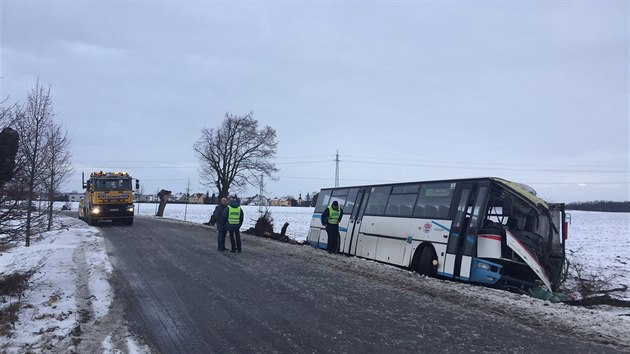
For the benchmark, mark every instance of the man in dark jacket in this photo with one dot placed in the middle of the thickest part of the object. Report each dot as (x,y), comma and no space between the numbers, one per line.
(221,229)
(331,218)
(233,219)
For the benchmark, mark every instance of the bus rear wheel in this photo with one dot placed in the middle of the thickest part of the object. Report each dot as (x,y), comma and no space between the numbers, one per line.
(427,265)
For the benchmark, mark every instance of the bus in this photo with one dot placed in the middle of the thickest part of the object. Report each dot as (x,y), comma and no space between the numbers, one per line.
(482,230)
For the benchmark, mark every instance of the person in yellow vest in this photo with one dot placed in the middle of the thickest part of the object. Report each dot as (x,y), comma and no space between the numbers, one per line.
(233,218)
(331,218)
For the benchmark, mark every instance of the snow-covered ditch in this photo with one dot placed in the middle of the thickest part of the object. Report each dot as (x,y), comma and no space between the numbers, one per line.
(69,306)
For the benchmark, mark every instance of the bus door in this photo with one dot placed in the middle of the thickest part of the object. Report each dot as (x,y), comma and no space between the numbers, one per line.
(462,242)
(354,224)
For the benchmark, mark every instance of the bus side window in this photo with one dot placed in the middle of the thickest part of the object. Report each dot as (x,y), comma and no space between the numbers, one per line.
(378,200)
(322,201)
(350,201)
(434,200)
(400,204)
(339,196)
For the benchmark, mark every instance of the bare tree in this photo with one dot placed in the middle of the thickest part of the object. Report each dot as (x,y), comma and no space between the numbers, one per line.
(33,120)
(236,153)
(58,164)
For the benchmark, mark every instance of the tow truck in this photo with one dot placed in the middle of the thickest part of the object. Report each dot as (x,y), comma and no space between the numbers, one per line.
(108,196)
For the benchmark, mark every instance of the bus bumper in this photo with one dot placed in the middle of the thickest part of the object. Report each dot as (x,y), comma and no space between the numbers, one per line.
(485,272)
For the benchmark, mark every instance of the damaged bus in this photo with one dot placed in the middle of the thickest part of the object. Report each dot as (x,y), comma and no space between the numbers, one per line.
(482,230)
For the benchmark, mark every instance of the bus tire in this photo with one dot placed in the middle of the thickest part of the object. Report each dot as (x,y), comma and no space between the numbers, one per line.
(128,221)
(427,258)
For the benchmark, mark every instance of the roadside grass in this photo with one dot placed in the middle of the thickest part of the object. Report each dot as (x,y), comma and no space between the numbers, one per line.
(12,289)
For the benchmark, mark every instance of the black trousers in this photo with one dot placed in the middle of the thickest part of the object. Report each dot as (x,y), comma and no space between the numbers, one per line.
(333,237)
(235,235)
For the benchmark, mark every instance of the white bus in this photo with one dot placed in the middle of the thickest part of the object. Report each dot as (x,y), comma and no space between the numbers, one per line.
(483,230)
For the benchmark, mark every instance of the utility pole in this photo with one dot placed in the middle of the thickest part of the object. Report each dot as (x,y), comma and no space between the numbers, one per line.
(187,199)
(337,169)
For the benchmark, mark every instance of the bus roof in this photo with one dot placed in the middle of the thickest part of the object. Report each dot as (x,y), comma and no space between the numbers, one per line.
(520,189)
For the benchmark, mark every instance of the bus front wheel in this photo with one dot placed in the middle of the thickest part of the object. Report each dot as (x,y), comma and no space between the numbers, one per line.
(427,265)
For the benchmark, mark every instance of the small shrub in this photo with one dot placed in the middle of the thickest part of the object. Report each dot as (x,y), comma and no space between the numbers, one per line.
(264,225)
(14,284)
(264,228)
(8,317)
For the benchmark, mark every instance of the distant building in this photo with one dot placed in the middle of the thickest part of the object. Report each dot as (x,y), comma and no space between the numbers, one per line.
(280,202)
(197,198)
(146,198)
(75,197)
(179,197)
(250,200)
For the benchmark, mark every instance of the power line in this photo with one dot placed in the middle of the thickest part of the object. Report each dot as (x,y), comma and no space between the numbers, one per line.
(423,161)
(480,167)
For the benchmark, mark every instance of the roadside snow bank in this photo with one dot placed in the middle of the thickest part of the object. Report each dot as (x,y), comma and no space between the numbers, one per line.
(68,293)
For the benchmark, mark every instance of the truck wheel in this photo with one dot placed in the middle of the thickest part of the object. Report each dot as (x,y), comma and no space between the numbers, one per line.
(427,259)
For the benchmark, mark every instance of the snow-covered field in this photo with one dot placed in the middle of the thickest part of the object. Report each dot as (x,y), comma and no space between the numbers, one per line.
(600,244)
(69,302)
(298,218)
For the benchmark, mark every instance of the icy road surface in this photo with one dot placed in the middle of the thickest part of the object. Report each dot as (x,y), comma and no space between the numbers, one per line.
(182,296)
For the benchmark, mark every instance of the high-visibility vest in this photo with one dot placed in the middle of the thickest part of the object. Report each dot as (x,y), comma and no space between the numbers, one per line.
(333,215)
(234,215)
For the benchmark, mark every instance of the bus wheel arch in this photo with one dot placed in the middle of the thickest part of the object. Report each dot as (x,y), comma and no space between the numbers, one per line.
(425,260)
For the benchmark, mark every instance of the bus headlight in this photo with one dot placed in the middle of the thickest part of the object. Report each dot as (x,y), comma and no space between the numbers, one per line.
(130,208)
(95,211)
(483,266)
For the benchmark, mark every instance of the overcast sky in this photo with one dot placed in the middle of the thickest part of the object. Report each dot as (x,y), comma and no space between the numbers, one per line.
(531,91)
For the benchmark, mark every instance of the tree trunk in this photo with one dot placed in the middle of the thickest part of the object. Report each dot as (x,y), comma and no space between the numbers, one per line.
(283,231)
(50,214)
(164,195)
(599,300)
(224,192)
(29,212)
(51,198)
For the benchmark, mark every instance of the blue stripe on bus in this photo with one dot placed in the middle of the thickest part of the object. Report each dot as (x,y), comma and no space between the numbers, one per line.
(315,244)
(318,216)
(470,239)
(440,225)
(445,274)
